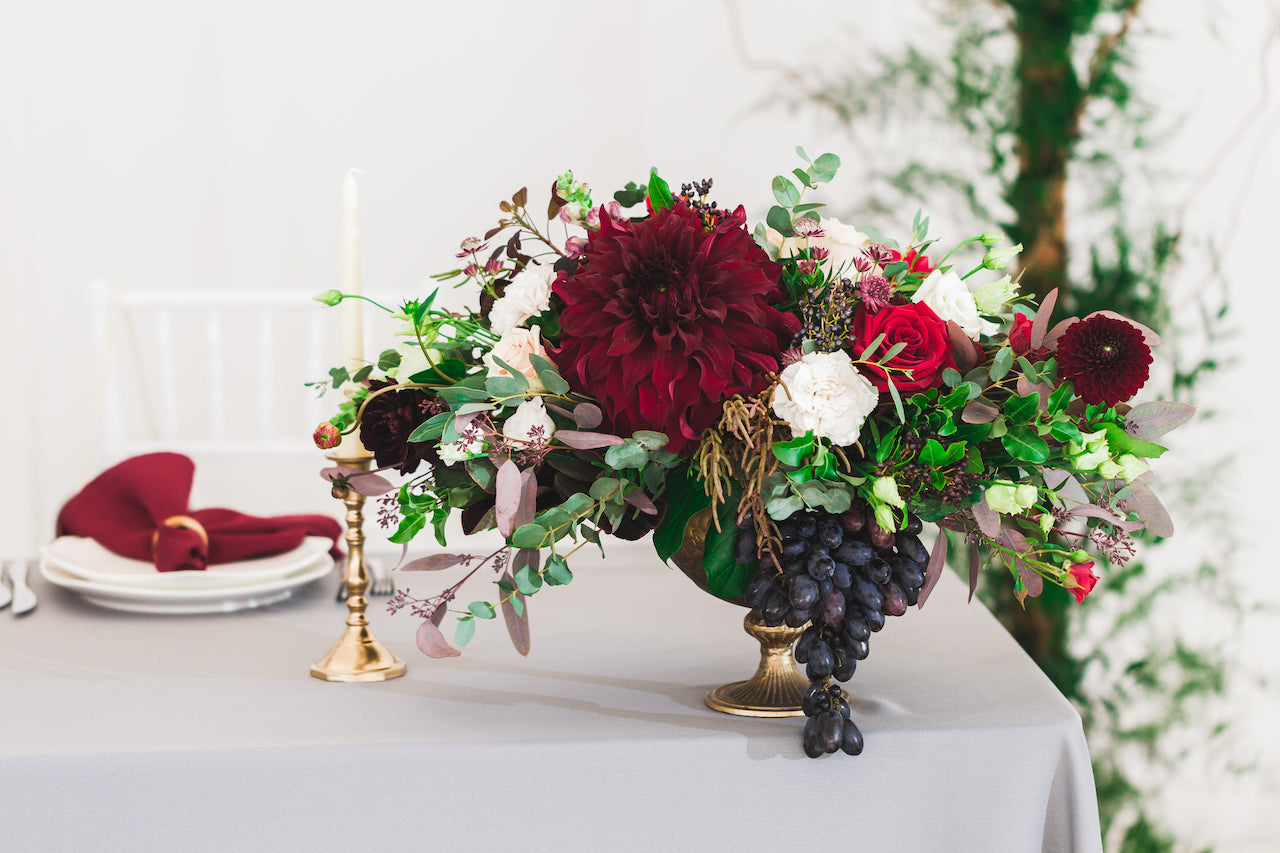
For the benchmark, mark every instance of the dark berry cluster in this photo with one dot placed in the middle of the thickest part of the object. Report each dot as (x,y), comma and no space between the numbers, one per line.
(844,575)
(826,316)
(695,196)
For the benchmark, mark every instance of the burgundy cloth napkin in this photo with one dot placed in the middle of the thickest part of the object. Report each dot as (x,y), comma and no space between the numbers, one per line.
(136,510)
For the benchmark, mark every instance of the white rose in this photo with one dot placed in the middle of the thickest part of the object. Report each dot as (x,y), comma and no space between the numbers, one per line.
(528,294)
(1008,498)
(842,242)
(950,299)
(461,450)
(993,295)
(530,423)
(412,361)
(825,393)
(514,347)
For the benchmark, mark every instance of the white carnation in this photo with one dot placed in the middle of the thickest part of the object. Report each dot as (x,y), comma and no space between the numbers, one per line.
(523,426)
(825,393)
(528,294)
(951,300)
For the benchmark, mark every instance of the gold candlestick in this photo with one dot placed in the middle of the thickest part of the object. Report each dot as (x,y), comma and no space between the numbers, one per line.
(357,656)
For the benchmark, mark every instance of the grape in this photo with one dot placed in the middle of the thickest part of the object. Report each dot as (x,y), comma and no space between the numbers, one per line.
(830,535)
(875,619)
(830,729)
(844,670)
(794,547)
(854,519)
(854,553)
(841,576)
(806,526)
(796,618)
(744,547)
(814,747)
(821,660)
(858,650)
(851,741)
(815,699)
(804,592)
(801,651)
(759,588)
(910,546)
(866,593)
(881,540)
(877,571)
(831,608)
(895,600)
(775,607)
(821,566)
(856,627)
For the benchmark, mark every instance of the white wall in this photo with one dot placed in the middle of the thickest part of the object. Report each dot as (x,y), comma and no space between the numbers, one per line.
(163,145)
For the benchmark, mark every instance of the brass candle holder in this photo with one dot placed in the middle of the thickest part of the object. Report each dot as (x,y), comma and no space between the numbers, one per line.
(357,656)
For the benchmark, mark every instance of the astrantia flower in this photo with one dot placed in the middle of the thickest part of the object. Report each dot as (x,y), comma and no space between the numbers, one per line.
(825,393)
(664,320)
(388,421)
(1106,359)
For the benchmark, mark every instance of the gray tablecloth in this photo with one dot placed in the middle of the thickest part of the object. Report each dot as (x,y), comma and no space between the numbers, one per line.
(131,732)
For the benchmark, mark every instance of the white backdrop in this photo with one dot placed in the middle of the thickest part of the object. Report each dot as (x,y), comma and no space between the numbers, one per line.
(183,146)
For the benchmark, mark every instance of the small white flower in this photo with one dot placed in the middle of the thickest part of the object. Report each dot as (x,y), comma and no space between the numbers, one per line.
(1132,467)
(1008,498)
(825,393)
(528,294)
(514,347)
(950,299)
(530,423)
(994,295)
(885,490)
(412,361)
(461,450)
(1091,452)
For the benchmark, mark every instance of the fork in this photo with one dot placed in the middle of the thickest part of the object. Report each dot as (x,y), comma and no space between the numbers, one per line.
(380,580)
(24,600)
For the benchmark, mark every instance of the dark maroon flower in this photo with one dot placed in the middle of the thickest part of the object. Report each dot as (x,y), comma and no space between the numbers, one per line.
(388,421)
(1106,359)
(665,319)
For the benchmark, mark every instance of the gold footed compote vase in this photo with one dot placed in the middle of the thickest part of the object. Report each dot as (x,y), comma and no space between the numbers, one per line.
(778,686)
(358,655)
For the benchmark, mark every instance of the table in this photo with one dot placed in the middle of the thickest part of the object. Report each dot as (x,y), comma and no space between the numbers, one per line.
(125,731)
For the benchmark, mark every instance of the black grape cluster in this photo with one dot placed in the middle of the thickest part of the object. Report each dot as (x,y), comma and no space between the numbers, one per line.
(842,574)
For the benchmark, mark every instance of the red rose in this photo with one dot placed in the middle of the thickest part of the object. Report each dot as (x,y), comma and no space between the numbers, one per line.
(918,264)
(927,352)
(1080,580)
(1020,334)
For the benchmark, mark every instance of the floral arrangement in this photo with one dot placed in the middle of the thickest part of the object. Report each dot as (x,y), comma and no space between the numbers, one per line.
(812,391)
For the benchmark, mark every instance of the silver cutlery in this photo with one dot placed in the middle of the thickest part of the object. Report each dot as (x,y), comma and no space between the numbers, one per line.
(381,583)
(24,600)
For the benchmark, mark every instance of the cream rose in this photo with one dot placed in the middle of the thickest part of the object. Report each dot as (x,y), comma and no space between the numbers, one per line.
(825,393)
(528,294)
(515,347)
(842,242)
(950,299)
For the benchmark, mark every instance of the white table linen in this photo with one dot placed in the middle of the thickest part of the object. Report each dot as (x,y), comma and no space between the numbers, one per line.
(169,733)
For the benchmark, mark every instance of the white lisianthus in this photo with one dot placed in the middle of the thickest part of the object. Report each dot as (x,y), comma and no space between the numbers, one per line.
(994,295)
(1090,452)
(461,450)
(1009,498)
(514,347)
(412,362)
(825,393)
(528,294)
(885,490)
(950,299)
(530,423)
(1127,467)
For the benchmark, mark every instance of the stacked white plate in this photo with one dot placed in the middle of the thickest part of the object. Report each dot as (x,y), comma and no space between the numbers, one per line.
(109,580)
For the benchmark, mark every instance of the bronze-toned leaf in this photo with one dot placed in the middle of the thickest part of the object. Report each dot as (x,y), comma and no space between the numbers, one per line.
(1144,502)
(371,485)
(1041,324)
(518,623)
(587,415)
(1149,337)
(431,641)
(521,198)
(979,411)
(1092,511)
(987,518)
(437,615)
(588,440)
(528,506)
(1032,583)
(973,569)
(1151,420)
(434,563)
(486,521)
(640,501)
(507,497)
(963,351)
(1051,339)
(937,560)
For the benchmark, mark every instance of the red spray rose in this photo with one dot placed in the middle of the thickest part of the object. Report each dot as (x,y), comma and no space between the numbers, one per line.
(1081,580)
(928,347)
(918,264)
(1020,334)
(664,319)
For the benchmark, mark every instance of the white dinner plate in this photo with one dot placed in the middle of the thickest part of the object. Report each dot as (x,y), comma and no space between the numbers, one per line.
(86,559)
(141,599)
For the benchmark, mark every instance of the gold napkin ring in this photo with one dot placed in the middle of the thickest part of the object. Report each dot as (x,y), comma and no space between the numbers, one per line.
(184,522)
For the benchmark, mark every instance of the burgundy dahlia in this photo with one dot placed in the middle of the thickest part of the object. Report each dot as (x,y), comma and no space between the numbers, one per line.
(664,320)
(1106,359)
(388,421)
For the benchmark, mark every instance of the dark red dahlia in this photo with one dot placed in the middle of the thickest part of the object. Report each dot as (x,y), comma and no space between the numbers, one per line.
(1106,359)
(388,421)
(665,319)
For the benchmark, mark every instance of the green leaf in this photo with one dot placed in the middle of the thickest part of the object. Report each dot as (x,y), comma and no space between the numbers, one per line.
(825,168)
(557,571)
(1121,442)
(685,498)
(528,581)
(799,153)
(650,440)
(1023,444)
(805,208)
(1059,399)
(409,527)
(795,451)
(951,377)
(803,177)
(515,374)
(784,507)
(626,455)
(505,387)
(466,630)
(726,577)
(779,219)
(482,609)
(1065,431)
(530,536)
(433,428)
(1021,409)
(897,399)
(579,505)
(659,192)
(785,192)
(605,486)
(1001,363)
(554,382)
(932,454)
(388,359)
